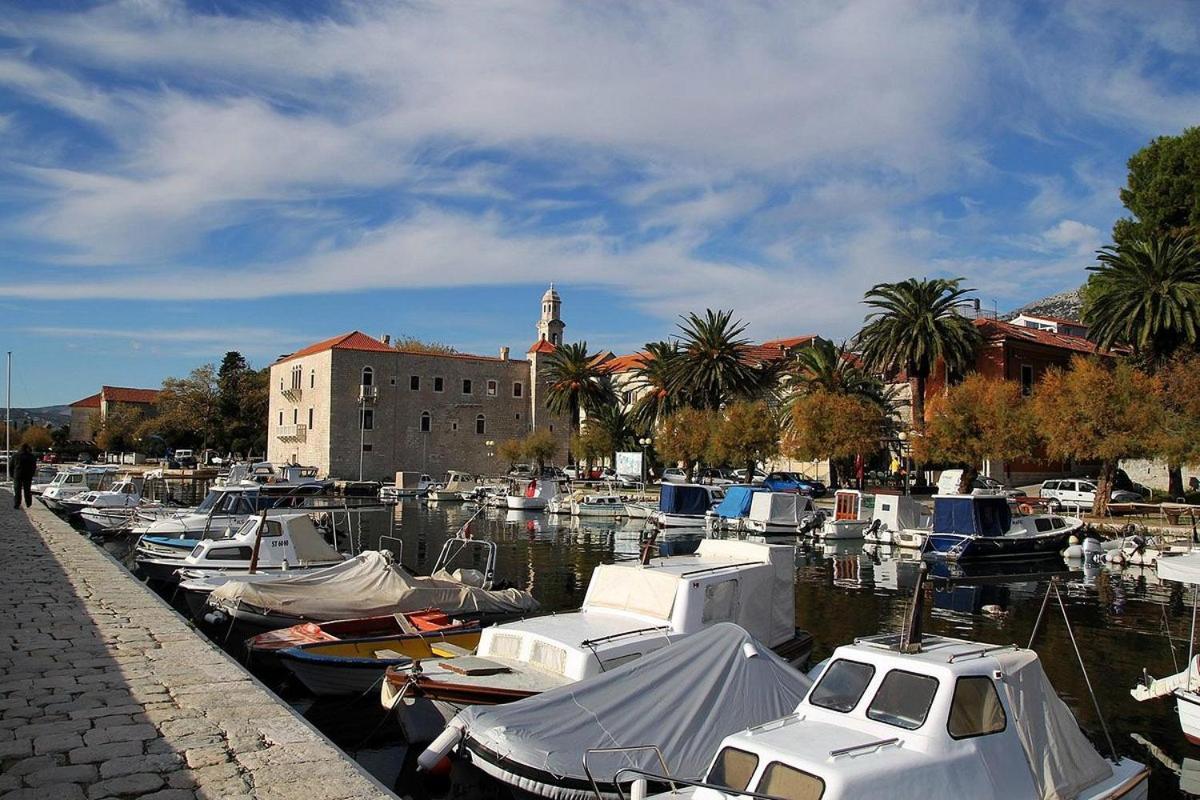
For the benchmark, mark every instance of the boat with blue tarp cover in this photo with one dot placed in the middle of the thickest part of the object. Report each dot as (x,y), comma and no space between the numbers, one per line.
(983,526)
(682,505)
(734,508)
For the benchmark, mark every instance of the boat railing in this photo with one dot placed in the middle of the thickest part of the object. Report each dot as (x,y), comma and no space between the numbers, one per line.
(458,544)
(398,551)
(979,653)
(640,776)
(865,747)
(720,567)
(645,748)
(614,636)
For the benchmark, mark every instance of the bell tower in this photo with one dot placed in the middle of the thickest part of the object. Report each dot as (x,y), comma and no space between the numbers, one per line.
(550,325)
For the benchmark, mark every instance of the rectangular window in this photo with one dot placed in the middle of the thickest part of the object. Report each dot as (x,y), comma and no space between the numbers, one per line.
(903,699)
(310,419)
(466,386)
(518,390)
(842,685)
(414,383)
(733,769)
(295,416)
(366,447)
(368,420)
(491,388)
(426,423)
(438,384)
(312,378)
(976,709)
(480,425)
(280,417)
(788,783)
(1026,379)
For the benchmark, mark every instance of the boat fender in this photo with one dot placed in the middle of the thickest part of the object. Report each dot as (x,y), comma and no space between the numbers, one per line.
(214,618)
(1025,508)
(1073,540)
(1075,551)
(440,748)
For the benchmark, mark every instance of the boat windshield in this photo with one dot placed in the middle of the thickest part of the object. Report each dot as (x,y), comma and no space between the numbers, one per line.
(209,501)
(842,685)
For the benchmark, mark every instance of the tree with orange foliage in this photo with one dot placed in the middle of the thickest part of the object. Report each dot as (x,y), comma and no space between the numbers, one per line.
(1095,411)
(685,436)
(826,425)
(979,419)
(1179,442)
(746,433)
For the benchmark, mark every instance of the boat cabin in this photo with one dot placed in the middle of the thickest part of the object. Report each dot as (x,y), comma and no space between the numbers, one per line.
(956,719)
(281,538)
(896,512)
(631,609)
(777,512)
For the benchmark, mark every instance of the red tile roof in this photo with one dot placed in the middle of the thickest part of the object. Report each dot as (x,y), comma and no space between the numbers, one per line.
(789,343)
(122,394)
(770,350)
(996,329)
(626,363)
(541,346)
(91,401)
(355,340)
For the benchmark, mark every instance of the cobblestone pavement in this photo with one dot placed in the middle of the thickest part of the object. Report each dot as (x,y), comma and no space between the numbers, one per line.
(106,692)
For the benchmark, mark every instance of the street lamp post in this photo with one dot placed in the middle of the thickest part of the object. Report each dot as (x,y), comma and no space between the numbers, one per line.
(645,442)
(903,437)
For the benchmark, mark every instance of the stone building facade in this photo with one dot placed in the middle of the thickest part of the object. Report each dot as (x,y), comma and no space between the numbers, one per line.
(356,397)
(88,414)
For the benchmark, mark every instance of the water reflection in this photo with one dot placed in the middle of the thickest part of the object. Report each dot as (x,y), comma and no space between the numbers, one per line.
(844,589)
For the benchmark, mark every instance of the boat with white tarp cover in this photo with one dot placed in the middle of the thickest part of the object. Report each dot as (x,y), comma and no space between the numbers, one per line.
(370,584)
(686,698)
(1184,686)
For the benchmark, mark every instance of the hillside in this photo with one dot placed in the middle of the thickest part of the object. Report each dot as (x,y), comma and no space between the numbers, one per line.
(1067,305)
(55,416)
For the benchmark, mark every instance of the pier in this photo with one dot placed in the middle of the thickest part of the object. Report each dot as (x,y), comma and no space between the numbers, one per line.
(106,692)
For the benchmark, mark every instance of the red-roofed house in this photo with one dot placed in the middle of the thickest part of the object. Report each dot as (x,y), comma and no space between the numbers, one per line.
(88,414)
(354,400)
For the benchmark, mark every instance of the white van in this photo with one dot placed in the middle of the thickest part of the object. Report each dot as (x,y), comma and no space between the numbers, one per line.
(1079,492)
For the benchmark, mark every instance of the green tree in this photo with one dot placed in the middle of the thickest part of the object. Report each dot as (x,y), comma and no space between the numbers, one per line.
(411,344)
(590,445)
(685,437)
(1145,294)
(979,419)
(616,426)
(1095,411)
(541,447)
(653,380)
(824,425)
(917,323)
(1162,189)
(746,433)
(189,410)
(575,381)
(118,431)
(713,366)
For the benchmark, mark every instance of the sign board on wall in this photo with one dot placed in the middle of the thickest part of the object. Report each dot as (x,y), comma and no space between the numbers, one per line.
(629,464)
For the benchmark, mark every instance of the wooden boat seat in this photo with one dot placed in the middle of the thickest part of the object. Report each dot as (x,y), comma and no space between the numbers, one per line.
(448,650)
(404,624)
(474,665)
(389,654)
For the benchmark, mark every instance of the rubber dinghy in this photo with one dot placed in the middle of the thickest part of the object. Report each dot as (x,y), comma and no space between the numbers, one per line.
(367,585)
(684,698)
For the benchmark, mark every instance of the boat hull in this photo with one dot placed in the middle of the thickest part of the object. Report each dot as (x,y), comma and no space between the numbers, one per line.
(961,547)
(526,503)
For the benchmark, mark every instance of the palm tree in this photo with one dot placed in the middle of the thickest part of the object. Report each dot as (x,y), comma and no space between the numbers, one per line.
(616,427)
(833,368)
(576,381)
(653,379)
(916,324)
(714,365)
(1145,294)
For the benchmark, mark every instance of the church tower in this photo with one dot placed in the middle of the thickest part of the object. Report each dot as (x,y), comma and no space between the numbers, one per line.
(550,326)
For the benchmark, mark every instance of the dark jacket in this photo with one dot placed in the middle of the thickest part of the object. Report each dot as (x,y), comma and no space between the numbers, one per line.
(24,466)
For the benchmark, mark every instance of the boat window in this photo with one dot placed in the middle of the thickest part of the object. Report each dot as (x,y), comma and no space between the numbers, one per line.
(733,769)
(1042,524)
(720,601)
(842,685)
(903,699)
(1058,522)
(788,783)
(74,477)
(976,709)
(208,502)
(229,553)
(619,660)
(273,529)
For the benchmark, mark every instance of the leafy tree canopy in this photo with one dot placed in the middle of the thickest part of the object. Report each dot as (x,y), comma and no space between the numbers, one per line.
(746,433)
(1162,190)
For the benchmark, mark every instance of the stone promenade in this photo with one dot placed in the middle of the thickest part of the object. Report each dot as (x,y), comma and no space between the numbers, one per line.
(106,692)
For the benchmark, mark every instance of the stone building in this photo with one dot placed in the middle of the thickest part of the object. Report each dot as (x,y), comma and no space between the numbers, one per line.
(356,399)
(88,414)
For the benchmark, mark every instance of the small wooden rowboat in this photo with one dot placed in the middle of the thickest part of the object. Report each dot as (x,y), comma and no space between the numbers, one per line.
(264,647)
(355,666)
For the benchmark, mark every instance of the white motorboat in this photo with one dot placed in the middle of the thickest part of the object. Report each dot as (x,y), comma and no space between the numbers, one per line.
(777,513)
(124,492)
(898,520)
(733,508)
(639,509)
(271,540)
(1184,686)
(630,609)
(852,512)
(532,495)
(684,505)
(74,481)
(457,486)
(408,484)
(43,478)
(608,506)
(941,720)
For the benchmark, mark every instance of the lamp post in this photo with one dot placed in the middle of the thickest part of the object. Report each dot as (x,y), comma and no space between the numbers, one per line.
(645,442)
(489,444)
(903,437)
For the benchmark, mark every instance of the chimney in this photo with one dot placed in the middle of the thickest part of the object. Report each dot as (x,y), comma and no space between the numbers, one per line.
(387,339)
(504,354)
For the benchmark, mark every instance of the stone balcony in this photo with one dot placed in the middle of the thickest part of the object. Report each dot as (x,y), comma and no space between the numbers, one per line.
(293,433)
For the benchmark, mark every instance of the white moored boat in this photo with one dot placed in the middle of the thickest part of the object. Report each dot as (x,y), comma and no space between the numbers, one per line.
(598,505)
(852,512)
(76,481)
(685,505)
(1184,686)
(457,486)
(777,513)
(532,495)
(943,720)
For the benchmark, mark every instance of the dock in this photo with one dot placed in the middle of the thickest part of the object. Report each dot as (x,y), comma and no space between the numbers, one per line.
(106,692)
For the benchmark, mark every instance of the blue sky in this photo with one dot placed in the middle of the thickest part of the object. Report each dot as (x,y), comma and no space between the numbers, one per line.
(179,179)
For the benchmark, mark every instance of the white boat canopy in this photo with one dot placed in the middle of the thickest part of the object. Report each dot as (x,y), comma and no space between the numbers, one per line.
(684,698)
(1185,569)
(364,586)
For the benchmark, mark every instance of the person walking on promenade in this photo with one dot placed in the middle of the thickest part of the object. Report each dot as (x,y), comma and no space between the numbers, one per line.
(23,472)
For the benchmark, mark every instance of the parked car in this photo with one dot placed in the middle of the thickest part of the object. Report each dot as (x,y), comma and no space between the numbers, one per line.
(815,488)
(674,475)
(757,478)
(1080,492)
(714,476)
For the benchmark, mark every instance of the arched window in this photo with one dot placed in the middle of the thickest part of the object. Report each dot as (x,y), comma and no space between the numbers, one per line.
(426,422)
(368,376)
(480,425)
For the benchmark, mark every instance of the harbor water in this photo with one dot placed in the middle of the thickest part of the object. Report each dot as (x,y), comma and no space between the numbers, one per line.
(1123,620)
